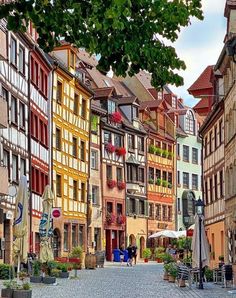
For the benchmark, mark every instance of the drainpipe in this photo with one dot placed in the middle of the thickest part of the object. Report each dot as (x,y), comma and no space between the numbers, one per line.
(146,184)
(89,170)
(176,187)
(102,181)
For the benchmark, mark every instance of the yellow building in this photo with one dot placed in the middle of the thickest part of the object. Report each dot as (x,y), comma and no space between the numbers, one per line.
(70,143)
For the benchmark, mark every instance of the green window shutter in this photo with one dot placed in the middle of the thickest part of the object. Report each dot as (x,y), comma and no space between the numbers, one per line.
(137,206)
(146,207)
(127,206)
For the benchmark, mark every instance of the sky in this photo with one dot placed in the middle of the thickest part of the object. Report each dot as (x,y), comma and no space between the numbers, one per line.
(199,45)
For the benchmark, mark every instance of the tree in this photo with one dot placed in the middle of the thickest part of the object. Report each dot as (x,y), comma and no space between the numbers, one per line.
(128,34)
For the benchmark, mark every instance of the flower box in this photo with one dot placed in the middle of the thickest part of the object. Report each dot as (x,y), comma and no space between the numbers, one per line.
(111,183)
(120,151)
(110,218)
(116,117)
(120,219)
(110,148)
(121,185)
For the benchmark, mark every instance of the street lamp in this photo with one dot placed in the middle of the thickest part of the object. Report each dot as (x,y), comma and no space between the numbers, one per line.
(199,210)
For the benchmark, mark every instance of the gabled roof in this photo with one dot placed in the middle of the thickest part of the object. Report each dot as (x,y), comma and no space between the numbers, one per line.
(87,58)
(102,93)
(203,81)
(128,100)
(150,104)
(203,103)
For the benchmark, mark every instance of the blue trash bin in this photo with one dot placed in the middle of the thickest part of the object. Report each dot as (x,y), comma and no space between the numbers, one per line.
(116,255)
(125,255)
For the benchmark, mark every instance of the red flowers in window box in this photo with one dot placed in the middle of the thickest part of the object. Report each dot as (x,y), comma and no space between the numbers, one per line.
(116,117)
(121,185)
(110,148)
(110,218)
(120,151)
(120,219)
(111,183)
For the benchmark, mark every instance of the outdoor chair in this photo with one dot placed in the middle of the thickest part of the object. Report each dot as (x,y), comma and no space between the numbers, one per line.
(227,273)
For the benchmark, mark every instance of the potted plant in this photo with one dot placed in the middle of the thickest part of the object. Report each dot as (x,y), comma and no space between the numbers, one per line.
(110,218)
(147,254)
(120,219)
(167,258)
(111,183)
(120,151)
(110,148)
(164,153)
(9,285)
(47,272)
(164,183)
(36,278)
(172,271)
(121,185)
(23,291)
(159,253)
(116,117)
(158,151)
(170,154)
(64,271)
(158,181)
(166,274)
(152,149)
(150,181)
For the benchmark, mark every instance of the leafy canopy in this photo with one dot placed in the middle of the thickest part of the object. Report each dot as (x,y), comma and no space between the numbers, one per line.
(126,33)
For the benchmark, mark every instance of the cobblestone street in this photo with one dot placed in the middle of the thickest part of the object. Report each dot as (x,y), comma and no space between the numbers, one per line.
(117,281)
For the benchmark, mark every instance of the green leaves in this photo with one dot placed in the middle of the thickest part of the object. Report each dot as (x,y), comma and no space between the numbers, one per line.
(123,32)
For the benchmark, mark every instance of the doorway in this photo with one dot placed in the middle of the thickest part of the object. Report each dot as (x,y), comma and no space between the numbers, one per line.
(142,246)
(56,243)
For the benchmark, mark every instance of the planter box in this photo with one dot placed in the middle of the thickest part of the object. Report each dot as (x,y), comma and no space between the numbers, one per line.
(7,293)
(64,274)
(22,293)
(49,280)
(36,279)
(159,260)
(145,260)
(171,279)
(182,283)
(166,276)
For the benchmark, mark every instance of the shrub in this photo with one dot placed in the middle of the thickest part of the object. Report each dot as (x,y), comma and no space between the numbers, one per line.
(209,274)
(10,284)
(26,286)
(76,252)
(158,151)
(164,183)
(221,258)
(36,268)
(172,269)
(147,253)
(6,271)
(64,268)
(159,252)
(164,153)
(55,272)
(152,149)
(167,258)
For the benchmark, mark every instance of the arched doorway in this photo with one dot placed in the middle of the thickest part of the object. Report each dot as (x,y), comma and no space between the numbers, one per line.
(132,239)
(142,246)
(56,243)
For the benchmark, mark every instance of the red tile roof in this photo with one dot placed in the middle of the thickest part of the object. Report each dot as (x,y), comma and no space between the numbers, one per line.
(103,92)
(203,103)
(203,81)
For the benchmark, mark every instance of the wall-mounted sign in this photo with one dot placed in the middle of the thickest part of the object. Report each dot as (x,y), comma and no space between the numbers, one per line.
(56,212)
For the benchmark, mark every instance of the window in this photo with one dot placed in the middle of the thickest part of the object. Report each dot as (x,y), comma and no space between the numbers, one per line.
(164,212)
(189,122)
(216,187)
(185,180)
(195,155)
(42,80)
(59,92)
(95,195)
(109,172)
(132,205)
(111,106)
(151,175)
(66,236)
(58,139)
(22,166)
(169,179)
(205,146)
(107,137)
(81,235)
(141,144)
(14,167)
(109,207)
(82,192)
(118,140)
(211,188)
(141,175)
(46,84)
(13,110)
(150,210)
(215,134)
(194,182)
(83,108)
(210,141)
(22,115)
(5,94)
(58,185)
(72,59)
(130,141)
(82,150)
(135,112)
(206,193)
(21,60)
(221,184)
(169,213)
(94,159)
(76,104)
(119,209)
(185,153)
(178,177)
(13,51)
(164,175)
(6,161)
(173,101)
(158,174)
(75,190)
(220,132)
(132,173)
(75,151)
(119,174)
(74,235)
(178,150)
(158,212)
(36,73)
(141,207)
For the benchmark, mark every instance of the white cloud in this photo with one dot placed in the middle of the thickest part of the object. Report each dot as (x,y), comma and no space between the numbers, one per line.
(213,6)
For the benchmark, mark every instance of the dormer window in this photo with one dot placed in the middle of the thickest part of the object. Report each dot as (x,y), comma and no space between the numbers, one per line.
(111,106)
(72,59)
(189,126)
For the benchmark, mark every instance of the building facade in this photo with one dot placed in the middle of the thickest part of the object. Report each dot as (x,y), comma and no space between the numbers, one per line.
(70,149)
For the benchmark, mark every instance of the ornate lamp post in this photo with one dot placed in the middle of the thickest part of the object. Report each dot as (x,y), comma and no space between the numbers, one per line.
(187,224)
(199,211)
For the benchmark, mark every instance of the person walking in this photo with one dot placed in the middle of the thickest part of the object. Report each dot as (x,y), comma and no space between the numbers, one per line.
(134,247)
(130,255)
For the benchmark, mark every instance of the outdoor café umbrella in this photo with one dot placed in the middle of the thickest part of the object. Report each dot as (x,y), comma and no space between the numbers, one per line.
(164,233)
(195,245)
(20,225)
(45,228)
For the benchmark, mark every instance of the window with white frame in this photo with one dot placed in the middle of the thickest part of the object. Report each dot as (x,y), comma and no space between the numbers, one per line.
(194,182)
(95,195)
(13,50)
(185,153)
(195,155)
(13,109)
(189,125)
(22,166)
(14,167)
(94,159)
(185,180)
(21,60)
(22,115)
(111,106)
